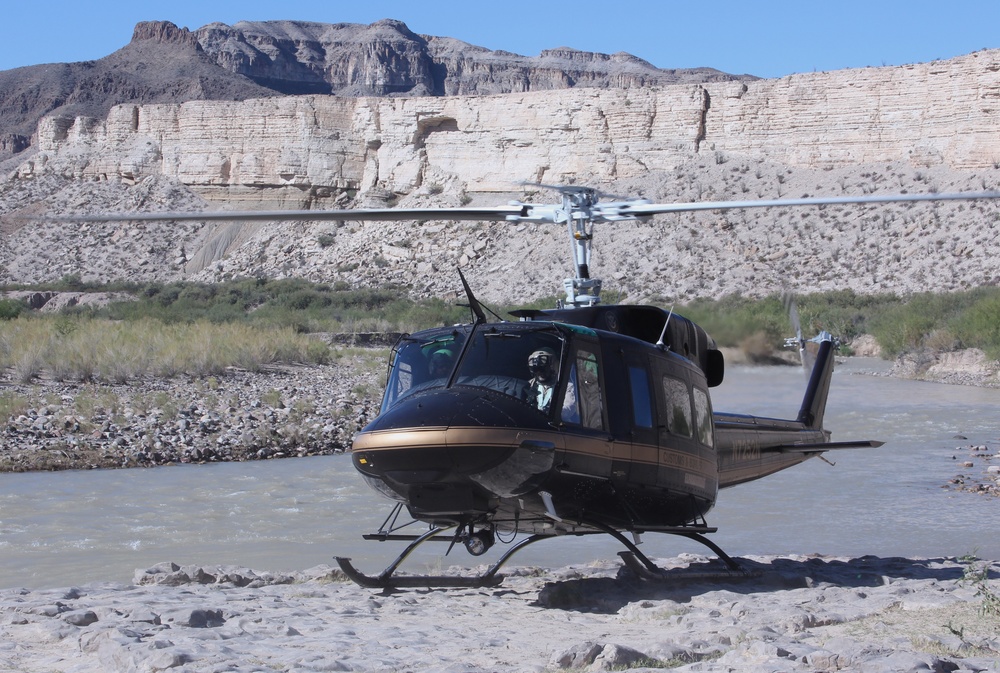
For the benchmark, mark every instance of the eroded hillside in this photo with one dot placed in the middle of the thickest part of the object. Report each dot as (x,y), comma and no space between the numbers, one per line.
(920,128)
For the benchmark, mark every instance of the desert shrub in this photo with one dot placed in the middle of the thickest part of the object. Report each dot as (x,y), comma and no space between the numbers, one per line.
(978,326)
(969,319)
(11,308)
(412,316)
(12,405)
(732,319)
(843,313)
(112,351)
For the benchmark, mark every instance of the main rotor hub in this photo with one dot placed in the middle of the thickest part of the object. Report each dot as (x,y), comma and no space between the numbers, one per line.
(580,210)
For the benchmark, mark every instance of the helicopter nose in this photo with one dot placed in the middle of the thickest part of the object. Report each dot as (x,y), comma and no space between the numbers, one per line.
(432,433)
(463,441)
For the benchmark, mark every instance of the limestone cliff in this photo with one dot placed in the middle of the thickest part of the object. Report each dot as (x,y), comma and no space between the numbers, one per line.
(938,114)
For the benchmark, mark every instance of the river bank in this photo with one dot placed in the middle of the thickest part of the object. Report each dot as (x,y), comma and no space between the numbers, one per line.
(281,411)
(296,411)
(801,613)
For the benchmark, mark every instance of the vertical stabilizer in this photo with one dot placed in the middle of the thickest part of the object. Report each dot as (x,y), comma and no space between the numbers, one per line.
(818,388)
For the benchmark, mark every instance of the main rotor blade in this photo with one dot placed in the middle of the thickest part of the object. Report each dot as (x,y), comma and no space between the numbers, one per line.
(375,214)
(516,212)
(647,209)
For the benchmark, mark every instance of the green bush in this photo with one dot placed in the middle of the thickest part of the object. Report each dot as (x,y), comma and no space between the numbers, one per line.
(11,308)
(939,321)
(978,325)
(734,318)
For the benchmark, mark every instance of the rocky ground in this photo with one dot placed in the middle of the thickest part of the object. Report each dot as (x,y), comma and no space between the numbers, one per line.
(899,248)
(797,614)
(978,470)
(283,411)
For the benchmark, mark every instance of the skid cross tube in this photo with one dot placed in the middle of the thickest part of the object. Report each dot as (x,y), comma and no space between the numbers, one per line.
(652,570)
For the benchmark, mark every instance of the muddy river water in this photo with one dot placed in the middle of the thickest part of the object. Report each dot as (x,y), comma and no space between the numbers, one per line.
(64,528)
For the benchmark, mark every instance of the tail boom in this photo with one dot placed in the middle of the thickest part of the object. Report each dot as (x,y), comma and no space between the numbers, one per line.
(751,447)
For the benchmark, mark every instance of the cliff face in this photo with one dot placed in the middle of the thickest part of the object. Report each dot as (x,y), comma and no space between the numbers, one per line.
(824,120)
(943,113)
(162,63)
(295,57)
(167,64)
(926,127)
(386,58)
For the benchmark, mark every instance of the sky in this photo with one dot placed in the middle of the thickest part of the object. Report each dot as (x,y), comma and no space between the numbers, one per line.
(767,38)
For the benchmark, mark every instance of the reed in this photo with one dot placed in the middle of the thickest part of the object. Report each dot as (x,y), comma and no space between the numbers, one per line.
(96,349)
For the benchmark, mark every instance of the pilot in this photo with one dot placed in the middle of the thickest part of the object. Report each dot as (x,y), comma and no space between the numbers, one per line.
(542,366)
(440,364)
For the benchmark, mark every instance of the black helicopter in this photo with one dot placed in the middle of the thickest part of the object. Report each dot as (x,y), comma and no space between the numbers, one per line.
(578,420)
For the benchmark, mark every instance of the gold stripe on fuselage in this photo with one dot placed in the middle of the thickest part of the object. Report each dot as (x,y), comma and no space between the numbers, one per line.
(410,438)
(475,436)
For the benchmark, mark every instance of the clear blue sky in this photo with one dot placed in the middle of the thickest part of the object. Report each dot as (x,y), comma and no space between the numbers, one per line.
(765,38)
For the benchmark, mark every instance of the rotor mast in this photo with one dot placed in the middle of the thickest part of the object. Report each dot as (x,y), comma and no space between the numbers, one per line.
(577,205)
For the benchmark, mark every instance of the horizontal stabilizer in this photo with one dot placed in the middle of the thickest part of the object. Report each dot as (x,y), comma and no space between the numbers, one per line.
(826,446)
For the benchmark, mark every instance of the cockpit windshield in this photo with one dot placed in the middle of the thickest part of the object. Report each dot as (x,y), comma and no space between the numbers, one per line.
(423,362)
(515,359)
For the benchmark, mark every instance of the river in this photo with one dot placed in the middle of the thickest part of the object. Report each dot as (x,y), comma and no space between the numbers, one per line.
(69,528)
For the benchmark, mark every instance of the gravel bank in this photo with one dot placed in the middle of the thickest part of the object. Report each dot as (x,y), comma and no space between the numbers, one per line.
(280,412)
(801,614)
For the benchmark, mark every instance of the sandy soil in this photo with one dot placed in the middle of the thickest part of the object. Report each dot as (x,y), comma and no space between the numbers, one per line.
(797,614)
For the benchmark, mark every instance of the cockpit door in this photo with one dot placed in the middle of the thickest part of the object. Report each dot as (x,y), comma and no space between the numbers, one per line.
(583,412)
(632,415)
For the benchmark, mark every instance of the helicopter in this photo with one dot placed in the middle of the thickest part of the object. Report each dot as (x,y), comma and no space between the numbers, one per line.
(583,419)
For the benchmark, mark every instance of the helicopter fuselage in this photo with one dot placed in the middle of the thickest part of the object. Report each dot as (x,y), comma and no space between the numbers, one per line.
(624,436)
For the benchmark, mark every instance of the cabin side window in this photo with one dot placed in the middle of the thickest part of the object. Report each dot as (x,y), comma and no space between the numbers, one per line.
(642,407)
(703,417)
(584,403)
(675,392)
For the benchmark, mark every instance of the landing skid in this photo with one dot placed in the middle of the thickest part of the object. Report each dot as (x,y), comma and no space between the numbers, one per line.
(387,580)
(645,569)
(635,560)
(657,574)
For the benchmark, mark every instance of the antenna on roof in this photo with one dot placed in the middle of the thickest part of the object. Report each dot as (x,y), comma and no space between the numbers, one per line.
(663,332)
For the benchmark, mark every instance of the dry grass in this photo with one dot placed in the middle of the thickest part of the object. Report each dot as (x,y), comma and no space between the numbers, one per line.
(89,349)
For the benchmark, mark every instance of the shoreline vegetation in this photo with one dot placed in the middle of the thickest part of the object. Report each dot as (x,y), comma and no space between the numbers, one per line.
(90,332)
(146,374)
(940,322)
